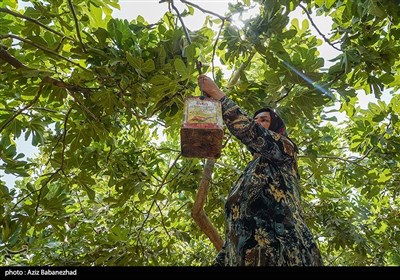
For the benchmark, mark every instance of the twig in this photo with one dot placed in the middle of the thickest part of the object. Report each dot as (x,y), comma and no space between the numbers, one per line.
(63,139)
(41,189)
(61,168)
(215,48)
(5,10)
(316,28)
(182,22)
(337,158)
(206,11)
(364,156)
(154,201)
(84,107)
(22,199)
(43,49)
(52,150)
(71,6)
(7,122)
(285,95)
(162,220)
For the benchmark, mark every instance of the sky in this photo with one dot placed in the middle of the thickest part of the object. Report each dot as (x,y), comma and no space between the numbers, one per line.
(152,11)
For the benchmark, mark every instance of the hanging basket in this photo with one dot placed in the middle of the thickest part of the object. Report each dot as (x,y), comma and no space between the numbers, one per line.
(202,128)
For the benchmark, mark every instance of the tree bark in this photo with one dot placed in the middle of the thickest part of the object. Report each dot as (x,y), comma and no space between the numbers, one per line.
(198,213)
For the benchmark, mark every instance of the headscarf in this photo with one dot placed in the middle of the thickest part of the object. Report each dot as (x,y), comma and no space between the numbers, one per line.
(277,124)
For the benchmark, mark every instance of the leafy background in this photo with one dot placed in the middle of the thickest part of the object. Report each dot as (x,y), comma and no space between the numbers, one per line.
(101,98)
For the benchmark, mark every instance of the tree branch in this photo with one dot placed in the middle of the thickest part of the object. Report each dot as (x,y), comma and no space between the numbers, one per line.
(86,109)
(71,6)
(33,101)
(215,48)
(162,220)
(53,174)
(154,201)
(316,28)
(72,88)
(7,57)
(43,49)
(61,168)
(41,189)
(4,55)
(63,139)
(236,75)
(5,10)
(364,156)
(206,11)
(198,213)
(182,22)
(61,84)
(285,95)
(338,158)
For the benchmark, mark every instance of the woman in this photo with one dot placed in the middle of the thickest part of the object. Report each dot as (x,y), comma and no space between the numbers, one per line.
(264,219)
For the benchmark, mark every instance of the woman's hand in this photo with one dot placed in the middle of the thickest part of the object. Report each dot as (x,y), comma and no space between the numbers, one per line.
(209,87)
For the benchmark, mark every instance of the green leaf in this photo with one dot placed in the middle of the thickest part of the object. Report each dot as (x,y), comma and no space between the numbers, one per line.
(181,68)
(96,17)
(90,192)
(148,66)
(385,176)
(373,108)
(329,3)
(395,103)
(373,192)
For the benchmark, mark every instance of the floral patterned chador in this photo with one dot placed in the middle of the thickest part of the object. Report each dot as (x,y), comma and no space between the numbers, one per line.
(264,219)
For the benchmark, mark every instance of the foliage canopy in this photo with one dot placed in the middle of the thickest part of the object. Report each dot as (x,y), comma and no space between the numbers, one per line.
(102,99)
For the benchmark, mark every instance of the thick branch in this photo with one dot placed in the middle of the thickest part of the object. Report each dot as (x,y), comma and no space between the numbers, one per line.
(7,57)
(4,55)
(198,213)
